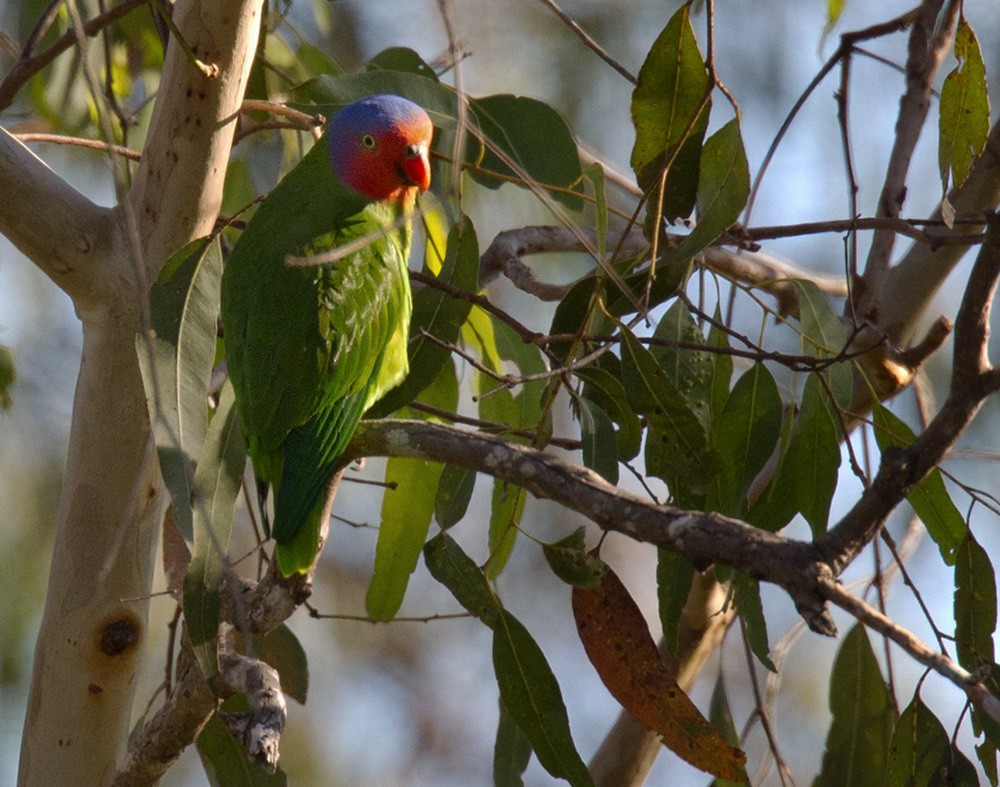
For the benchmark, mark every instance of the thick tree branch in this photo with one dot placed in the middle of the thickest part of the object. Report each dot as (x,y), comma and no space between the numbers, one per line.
(912,283)
(972,380)
(177,189)
(704,538)
(929,42)
(89,648)
(69,238)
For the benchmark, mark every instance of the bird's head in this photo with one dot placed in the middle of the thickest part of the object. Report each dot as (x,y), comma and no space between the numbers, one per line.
(379,147)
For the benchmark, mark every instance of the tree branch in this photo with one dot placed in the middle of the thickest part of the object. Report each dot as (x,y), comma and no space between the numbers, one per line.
(704,538)
(177,189)
(70,240)
(972,380)
(912,283)
(928,44)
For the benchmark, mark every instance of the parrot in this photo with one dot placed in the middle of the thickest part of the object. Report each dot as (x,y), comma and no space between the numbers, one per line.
(310,348)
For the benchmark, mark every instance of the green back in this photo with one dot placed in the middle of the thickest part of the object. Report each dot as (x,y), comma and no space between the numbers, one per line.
(310,349)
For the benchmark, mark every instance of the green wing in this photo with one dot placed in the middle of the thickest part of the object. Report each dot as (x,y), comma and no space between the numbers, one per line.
(309,349)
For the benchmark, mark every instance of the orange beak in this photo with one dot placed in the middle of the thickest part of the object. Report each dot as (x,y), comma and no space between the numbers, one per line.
(415,168)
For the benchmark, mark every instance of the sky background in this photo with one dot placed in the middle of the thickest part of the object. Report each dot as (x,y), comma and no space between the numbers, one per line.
(415,703)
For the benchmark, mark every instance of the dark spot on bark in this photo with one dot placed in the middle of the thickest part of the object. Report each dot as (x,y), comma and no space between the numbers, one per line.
(93,688)
(120,636)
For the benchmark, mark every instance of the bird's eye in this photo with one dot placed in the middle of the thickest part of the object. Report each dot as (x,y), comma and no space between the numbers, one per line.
(369,142)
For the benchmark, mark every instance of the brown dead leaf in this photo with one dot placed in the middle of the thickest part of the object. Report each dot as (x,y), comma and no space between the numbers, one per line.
(619,645)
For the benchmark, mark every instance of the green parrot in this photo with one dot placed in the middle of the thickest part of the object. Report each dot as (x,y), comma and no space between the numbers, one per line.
(310,348)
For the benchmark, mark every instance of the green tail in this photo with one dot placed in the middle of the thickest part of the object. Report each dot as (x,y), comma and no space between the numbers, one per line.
(299,499)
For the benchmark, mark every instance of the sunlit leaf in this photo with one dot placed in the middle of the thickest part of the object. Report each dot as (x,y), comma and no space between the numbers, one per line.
(176,364)
(530,692)
(670,109)
(406,517)
(217,480)
(964,110)
(572,563)
(857,744)
(619,645)
(438,314)
(929,498)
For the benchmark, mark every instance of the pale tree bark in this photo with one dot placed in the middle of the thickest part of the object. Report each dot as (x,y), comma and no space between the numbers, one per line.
(90,646)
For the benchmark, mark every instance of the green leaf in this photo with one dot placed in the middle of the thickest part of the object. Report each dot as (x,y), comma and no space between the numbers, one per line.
(438,314)
(822,330)
(598,437)
(534,138)
(453,495)
(529,690)
(813,458)
(226,763)
(401,58)
(677,447)
(669,99)
(505,519)
(930,499)
(406,517)
(975,605)
(450,566)
(595,173)
(8,376)
(857,745)
(572,563)
(920,752)
(723,188)
(329,92)
(282,650)
(511,752)
(964,116)
(528,360)
(722,719)
(690,371)
(607,392)
(774,506)
(746,592)
(217,480)
(745,435)
(674,575)
(722,367)
(176,364)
